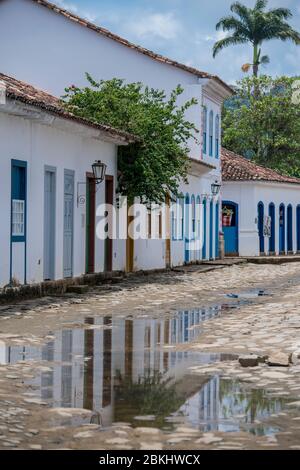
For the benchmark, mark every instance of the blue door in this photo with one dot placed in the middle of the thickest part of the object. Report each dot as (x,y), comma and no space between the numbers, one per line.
(298,228)
(290,228)
(260,210)
(272,237)
(282,228)
(187,229)
(231,227)
(211,229)
(204,230)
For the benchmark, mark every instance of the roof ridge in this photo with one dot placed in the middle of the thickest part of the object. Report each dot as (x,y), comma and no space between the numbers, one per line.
(235,167)
(28,94)
(154,55)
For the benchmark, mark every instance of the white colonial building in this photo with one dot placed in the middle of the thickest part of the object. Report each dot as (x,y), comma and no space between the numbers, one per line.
(51,48)
(264,208)
(45,172)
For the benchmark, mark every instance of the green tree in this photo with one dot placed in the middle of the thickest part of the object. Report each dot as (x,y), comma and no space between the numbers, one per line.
(153,167)
(265,126)
(255,26)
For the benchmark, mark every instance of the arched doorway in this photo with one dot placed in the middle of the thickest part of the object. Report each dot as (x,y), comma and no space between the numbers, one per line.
(230,218)
(187,229)
(290,228)
(260,211)
(282,228)
(298,228)
(272,237)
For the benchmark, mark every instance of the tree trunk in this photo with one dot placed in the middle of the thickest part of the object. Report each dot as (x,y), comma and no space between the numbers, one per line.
(255,60)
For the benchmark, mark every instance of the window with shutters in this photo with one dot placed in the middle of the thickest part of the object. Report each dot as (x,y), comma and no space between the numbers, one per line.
(18,200)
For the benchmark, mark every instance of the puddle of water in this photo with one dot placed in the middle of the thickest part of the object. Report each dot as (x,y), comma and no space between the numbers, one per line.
(127,370)
(250,294)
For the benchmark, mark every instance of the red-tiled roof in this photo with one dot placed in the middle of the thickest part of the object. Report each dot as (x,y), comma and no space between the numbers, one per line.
(18,90)
(105,32)
(237,168)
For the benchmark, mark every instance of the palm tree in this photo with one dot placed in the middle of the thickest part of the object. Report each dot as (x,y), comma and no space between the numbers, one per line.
(255,26)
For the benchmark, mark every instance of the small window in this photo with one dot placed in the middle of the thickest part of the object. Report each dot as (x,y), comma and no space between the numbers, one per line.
(18,218)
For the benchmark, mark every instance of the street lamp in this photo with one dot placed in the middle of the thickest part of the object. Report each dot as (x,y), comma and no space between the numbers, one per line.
(215,188)
(99,171)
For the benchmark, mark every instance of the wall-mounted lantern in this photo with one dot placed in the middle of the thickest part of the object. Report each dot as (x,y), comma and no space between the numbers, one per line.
(215,188)
(99,172)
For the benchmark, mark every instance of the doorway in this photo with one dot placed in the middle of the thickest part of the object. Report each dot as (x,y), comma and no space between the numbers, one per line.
(108,243)
(49,223)
(231,227)
(90,222)
(68,223)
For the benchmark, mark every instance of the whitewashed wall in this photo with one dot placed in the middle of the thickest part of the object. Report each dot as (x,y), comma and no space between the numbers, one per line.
(247,195)
(66,51)
(42,145)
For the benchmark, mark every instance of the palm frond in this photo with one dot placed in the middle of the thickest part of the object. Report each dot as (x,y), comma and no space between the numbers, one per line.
(229,41)
(281,13)
(230,23)
(241,10)
(265,60)
(260,5)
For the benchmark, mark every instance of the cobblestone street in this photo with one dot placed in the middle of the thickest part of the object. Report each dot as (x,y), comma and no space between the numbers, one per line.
(179,360)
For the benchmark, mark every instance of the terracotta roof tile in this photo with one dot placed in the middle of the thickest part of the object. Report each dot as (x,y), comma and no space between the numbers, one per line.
(105,32)
(21,91)
(237,168)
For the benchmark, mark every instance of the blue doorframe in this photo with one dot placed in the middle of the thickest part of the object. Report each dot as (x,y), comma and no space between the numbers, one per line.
(231,233)
(298,228)
(187,229)
(217,226)
(261,213)
(282,228)
(211,229)
(272,237)
(290,228)
(204,229)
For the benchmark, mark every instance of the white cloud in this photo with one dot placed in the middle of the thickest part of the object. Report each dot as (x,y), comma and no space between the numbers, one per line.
(161,25)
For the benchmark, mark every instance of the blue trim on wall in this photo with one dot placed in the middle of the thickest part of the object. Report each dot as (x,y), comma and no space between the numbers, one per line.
(186,226)
(217,229)
(211,132)
(272,237)
(211,229)
(282,229)
(298,227)
(204,229)
(290,228)
(260,215)
(14,195)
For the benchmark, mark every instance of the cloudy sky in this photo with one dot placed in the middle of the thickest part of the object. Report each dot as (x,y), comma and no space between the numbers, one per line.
(184,30)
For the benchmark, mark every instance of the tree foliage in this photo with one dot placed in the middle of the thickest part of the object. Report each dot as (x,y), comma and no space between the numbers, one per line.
(153,167)
(255,26)
(262,121)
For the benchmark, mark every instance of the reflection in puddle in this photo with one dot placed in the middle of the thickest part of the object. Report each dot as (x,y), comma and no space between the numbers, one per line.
(129,371)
